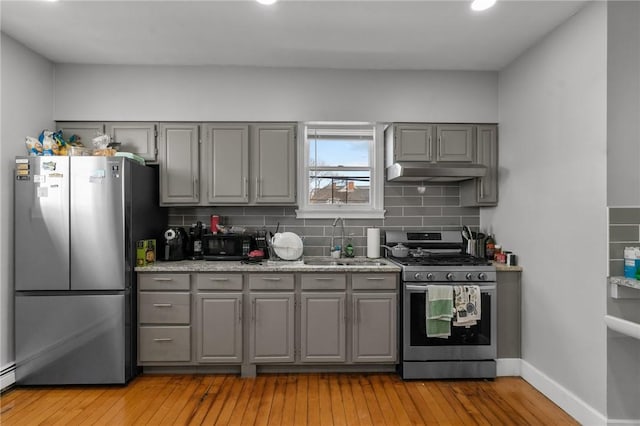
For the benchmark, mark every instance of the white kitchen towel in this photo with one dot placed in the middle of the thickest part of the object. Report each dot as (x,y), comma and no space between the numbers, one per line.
(439,310)
(467,305)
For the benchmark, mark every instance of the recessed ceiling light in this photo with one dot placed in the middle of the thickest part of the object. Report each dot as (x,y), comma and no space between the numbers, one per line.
(267,2)
(479,5)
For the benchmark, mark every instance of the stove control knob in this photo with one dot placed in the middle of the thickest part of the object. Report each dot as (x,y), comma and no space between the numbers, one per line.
(482,276)
(450,276)
(418,276)
(469,276)
(429,276)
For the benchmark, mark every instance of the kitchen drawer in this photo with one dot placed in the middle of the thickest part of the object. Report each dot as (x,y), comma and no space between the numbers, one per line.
(164,308)
(374,281)
(163,281)
(324,282)
(164,344)
(271,282)
(219,282)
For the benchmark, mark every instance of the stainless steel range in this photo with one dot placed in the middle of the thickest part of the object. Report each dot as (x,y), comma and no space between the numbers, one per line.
(438,258)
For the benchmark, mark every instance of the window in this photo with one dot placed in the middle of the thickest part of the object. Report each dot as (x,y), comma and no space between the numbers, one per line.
(341,171)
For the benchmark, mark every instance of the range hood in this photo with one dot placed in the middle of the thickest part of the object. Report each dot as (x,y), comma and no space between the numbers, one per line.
(418,171)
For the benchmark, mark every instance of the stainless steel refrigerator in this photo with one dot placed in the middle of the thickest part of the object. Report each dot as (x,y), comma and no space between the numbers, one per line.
(77,220)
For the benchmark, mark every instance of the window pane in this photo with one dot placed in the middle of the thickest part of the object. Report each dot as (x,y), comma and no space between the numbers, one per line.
(343,187)
(325,151)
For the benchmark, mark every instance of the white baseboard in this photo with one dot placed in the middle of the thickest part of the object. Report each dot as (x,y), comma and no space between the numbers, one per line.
(619,422)
(508,367)
(8,376)
(565,399)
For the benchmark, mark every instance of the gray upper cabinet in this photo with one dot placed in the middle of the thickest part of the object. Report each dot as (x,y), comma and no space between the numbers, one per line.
(226,163)
(374,327)
(178,156)
(430,142)
(271,334)
(454,143)
(413,142)
(219,327)
(323,327)
(85,130)
(137,138)
(483,191)
(273,163)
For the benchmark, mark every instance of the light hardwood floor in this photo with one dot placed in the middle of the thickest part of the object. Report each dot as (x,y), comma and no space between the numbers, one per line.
(284,399)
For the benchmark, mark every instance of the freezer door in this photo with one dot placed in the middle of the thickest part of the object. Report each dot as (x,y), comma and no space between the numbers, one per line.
(41,219)
(97,223)
(70,339)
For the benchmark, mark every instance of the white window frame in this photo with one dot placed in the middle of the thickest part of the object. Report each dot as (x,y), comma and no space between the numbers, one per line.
(373,210)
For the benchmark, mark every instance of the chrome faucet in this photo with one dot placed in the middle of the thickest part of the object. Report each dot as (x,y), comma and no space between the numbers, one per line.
(333,229)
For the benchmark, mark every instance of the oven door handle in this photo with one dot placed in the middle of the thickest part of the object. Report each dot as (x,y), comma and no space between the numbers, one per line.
(424,287)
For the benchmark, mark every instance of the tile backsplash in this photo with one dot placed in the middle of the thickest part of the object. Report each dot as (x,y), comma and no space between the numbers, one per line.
(437,209)
(624,231)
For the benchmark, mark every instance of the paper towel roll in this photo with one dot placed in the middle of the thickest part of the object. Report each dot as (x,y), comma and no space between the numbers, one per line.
(373,243)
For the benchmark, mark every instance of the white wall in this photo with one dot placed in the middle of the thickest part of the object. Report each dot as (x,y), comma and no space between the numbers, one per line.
(552,209)
(89,92)
(26,82)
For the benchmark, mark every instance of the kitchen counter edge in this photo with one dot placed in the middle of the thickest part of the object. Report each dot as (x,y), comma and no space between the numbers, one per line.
(501,267)
(236,266)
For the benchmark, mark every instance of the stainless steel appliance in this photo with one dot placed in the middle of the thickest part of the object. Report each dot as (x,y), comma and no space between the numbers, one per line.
(226,246)
(77,220)
(439,258)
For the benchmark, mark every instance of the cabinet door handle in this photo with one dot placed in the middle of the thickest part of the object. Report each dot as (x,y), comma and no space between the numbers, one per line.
(163,279)
(324,279)
(357,314)
(163,305)
(375,278)
(253,311)
(271,278)
(246,186)
(218,279)
(481,188)
(195,187)
(258,187)
(430,150)
(164,339)
(240,311)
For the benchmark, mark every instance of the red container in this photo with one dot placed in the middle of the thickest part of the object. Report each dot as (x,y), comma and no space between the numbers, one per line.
(215,220)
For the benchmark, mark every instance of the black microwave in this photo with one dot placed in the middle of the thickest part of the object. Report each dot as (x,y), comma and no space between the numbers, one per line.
(226,246)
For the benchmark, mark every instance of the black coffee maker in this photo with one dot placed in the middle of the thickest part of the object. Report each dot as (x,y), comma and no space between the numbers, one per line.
(175,244)
(196,232)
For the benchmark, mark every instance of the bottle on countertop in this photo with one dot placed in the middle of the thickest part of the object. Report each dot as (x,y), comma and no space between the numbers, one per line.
(348,249)
(489,247)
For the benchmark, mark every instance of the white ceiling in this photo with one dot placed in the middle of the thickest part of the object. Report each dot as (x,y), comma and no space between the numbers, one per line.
(357,34)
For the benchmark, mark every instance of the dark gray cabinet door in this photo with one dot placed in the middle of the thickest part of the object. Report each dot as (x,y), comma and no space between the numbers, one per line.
(271,337)
(179,166)
(374,327)
(219,327)
(413,142)
(137,138)
(273,166)
(226,163)
(322,334)
(509,314)
(483,191)
(455,143)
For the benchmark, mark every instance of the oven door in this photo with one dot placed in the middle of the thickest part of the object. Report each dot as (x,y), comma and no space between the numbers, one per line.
(476,342)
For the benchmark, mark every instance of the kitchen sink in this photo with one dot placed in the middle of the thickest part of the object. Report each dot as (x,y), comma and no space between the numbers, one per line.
(329,261)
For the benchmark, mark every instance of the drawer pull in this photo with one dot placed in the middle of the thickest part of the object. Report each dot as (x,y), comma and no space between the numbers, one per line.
(164,339)
(272,278)
(218,279)
(163,279)
(324,279)
(163,305)
(375,279)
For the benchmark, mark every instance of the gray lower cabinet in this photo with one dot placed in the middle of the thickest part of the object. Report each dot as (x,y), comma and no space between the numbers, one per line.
(322,327)
(164,319)
(178,157)
(374,327)
(483,191)
(509,290)
(271,331)
(219,327)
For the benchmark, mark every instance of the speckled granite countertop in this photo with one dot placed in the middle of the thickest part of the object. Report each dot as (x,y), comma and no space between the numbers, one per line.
(626,282)
(501,267)
(370,265)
